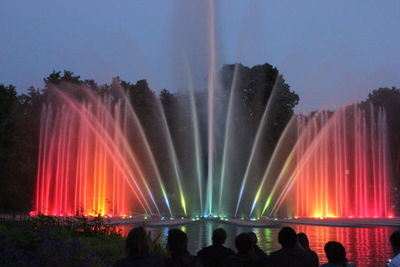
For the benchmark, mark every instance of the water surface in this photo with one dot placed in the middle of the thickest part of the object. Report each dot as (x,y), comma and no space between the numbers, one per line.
(367,246)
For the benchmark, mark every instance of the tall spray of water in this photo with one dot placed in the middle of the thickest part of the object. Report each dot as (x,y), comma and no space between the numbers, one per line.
(87,171)
(131,114)
(173,156)
(330,171)
(227,137)
(196,137)
(256,144)
(347,172)
(211,105)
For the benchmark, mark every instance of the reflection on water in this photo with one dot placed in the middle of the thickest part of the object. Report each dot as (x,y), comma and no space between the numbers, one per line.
(365,246)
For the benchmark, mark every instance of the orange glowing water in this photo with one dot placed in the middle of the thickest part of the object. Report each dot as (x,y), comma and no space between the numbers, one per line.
(84,163)
(343,162)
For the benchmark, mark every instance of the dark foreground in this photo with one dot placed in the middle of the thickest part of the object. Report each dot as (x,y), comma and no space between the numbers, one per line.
(366,246)
(44,241)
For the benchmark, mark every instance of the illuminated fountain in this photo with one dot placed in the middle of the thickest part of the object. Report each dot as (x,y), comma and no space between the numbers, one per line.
(96,158)
(346,173)
(337,167)
(92,159)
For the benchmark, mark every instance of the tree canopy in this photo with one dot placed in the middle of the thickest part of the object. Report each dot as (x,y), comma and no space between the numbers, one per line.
(253,88)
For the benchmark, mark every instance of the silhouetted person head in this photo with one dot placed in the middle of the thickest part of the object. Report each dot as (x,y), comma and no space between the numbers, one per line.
(176,241)
(243,243)
(335,253)
(287,237)
(253,236)
(219,236)
(395,241)
(137,242)
(303,240)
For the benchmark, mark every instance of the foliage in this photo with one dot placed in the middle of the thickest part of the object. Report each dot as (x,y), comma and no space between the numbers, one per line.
(54,241)
(47,241)
(19,120)
(389,99)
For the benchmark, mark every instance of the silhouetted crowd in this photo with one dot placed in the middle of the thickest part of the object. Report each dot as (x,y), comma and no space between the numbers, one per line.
(295,251)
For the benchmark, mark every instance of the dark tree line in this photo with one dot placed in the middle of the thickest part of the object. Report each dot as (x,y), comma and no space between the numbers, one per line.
(389,99)
(19,135)
(20,121)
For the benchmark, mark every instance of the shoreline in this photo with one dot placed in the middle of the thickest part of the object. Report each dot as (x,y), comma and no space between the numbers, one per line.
(262,223)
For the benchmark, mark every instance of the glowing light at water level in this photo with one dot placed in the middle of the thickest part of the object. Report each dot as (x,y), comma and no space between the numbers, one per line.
(347,173)
(86,165)
(338,167)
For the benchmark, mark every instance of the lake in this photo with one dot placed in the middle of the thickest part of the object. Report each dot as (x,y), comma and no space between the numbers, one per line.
(367,246)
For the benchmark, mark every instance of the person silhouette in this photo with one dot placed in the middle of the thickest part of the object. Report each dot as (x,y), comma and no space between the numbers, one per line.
(138,249)
(217,253)
(177,245)
(304,243)
(291,254)
(395,242)
(245,256)
(257,250)
(336,255)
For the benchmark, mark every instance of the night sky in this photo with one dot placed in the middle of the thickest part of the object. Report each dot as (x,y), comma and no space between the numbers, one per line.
(330,52)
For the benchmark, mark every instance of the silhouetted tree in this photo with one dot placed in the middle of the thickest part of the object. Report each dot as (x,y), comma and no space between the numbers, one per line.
(19,120)
(389,99)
